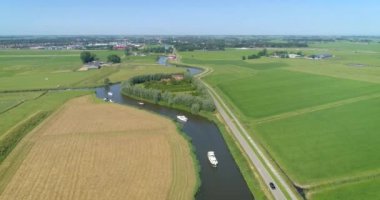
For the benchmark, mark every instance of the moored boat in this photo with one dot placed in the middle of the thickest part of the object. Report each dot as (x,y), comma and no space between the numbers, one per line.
(212,158)
(182,118)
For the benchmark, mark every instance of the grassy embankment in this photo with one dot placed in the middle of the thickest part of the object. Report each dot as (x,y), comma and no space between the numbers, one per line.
(314,118)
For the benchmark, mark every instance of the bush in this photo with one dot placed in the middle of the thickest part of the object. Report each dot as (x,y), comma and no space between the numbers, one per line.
(87,57)
(195,108)
(113,58)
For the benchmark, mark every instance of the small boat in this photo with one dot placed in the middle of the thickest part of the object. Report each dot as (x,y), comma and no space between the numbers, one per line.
(182,118)
(110,101)
(105,99)
(109,93)
(141,103)
(212,158)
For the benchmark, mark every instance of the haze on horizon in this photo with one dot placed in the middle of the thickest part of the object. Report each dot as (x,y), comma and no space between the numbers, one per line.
(196,17)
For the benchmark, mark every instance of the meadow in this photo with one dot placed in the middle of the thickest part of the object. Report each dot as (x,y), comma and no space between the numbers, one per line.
(315,118)
(89,150)
(31,69)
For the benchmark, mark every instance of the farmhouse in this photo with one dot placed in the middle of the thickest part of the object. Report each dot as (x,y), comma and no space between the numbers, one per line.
(291,55)
(94,65)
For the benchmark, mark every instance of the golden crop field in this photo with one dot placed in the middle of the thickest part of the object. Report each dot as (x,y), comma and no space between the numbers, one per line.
(90,150)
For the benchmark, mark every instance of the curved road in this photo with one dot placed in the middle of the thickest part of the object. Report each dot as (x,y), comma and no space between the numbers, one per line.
(249,145)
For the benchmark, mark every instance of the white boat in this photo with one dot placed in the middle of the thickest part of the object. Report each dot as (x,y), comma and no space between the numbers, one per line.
(105,99)
(141,103)
(109,93)
(182,118)
(212,158)
(110,101)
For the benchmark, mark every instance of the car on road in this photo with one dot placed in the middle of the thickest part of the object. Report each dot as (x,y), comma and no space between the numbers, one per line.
(272,186)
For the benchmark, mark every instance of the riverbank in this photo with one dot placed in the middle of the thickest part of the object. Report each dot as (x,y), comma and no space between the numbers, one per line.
(224,182)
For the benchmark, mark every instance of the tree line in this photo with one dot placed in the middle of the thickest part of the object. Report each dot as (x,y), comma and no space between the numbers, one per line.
(193,103)
(87,57)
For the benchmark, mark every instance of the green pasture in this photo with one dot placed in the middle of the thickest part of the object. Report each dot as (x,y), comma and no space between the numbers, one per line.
(269,93)
(368,189)
(9,100)
(316,118)
(40,69)
(326,145)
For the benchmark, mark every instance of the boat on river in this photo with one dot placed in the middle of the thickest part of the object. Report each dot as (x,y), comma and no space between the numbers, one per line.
(140,103)
(212,158)
(182,118)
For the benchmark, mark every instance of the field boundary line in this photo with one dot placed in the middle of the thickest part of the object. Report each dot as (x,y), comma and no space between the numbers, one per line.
(316,108)
(332,75)
(22,102)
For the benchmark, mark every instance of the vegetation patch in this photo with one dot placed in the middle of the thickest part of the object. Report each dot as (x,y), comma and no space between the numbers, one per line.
(193,103)
(10,139)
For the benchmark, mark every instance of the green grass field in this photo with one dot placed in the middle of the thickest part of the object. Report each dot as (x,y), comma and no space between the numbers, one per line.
(9,100)
(31,69)
(316,119)
(367,189)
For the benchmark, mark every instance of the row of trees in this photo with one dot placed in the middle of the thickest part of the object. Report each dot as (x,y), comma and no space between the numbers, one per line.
(261,53)
(158,49)
(193,103)
(87,57)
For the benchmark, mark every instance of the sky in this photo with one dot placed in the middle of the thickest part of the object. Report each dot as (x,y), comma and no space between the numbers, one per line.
(190,17)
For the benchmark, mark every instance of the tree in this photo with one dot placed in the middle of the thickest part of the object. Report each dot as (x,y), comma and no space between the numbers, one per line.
(263,52)
(127,52)
(114,58)
(87,56)
(243,58)
(107,81)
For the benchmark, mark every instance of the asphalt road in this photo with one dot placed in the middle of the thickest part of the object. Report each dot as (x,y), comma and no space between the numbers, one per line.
(250,147)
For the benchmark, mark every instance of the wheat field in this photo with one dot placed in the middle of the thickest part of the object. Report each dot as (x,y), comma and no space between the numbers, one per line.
(90,150)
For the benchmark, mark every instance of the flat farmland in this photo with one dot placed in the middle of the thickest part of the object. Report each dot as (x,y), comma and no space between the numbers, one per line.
(269,93)
(326,145)
(317,119)
(40,69)
(90,150)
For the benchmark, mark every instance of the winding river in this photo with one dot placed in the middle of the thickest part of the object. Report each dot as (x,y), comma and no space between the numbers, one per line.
(222,183)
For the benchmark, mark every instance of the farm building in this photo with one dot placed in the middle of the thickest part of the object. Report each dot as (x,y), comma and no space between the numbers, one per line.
(94,65)
(291,55)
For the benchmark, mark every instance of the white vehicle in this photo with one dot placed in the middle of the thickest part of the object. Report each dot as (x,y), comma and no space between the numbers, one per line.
(109,93)
(212,158)
(182,118)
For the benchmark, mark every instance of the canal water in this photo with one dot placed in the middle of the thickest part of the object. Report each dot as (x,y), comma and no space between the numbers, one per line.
(163,60)
(224,182)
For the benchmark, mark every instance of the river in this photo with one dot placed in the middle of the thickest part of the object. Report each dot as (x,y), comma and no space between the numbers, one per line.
(224,182)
